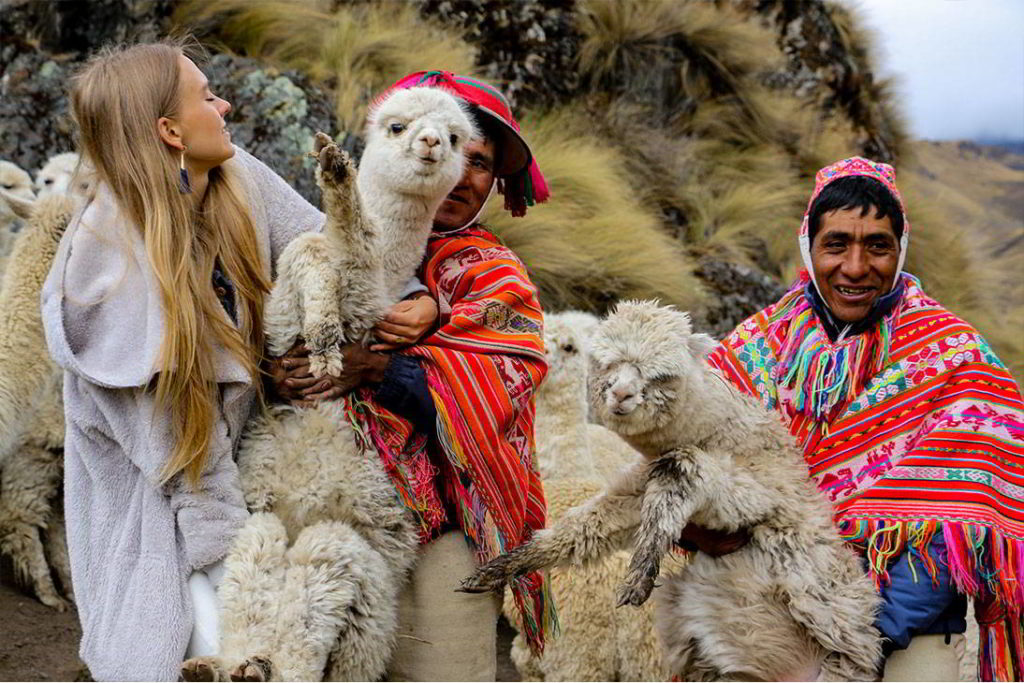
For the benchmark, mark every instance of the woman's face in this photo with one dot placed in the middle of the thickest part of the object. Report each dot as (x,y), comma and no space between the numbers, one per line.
(201,120)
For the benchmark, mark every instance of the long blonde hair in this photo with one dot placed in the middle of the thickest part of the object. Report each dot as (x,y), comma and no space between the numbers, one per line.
(116,100)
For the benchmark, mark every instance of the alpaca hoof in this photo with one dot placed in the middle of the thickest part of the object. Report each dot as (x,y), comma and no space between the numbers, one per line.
(252,669)
(483,580)
(199,669)
(635,593)
(321,140)
(335,166)
(54,601)
(329,363)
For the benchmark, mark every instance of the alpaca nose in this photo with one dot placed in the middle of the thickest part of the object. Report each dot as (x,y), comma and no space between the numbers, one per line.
(431,139)
(622,395)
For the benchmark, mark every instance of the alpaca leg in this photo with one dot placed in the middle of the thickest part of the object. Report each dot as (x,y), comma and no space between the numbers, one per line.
(56,542)
(837,605)
(338,601)
(249,597)
(259,453)
(323,327)
(336,176)
(30,480)
(671,498)
(282,320)
(585,533)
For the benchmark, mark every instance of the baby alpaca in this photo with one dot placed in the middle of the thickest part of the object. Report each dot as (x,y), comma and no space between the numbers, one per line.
(332,286)
(332,610)
(16,197)
(793,602)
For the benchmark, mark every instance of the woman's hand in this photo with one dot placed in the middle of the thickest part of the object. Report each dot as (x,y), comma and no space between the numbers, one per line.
(359,366)
(405,323)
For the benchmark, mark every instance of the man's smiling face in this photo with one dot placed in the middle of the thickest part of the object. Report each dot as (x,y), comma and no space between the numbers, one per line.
(855,259)
(473,188)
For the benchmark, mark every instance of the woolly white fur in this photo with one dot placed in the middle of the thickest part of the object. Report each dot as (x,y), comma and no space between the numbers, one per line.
(31,412)
(596,642)
(792,602)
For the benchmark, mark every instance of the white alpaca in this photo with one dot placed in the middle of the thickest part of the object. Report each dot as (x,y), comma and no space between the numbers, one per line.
(327,606)
(794,601)
(31,414)
(597,642)
(333,286)
(61,174)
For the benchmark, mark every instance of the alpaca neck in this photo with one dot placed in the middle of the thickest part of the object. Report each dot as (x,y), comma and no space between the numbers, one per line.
(704,406)
(403,223)
(560,430)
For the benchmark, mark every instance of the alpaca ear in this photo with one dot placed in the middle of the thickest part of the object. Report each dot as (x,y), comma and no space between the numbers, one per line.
(22,208)
(701,345)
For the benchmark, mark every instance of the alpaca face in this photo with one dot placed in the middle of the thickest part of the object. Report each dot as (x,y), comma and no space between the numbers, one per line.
(56,176)
(415,141)
(16,185)
(563,349)
(642,361)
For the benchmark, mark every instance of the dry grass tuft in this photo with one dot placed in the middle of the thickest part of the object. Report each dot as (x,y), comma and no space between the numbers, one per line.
(670,52)
(595,241)
(356,50)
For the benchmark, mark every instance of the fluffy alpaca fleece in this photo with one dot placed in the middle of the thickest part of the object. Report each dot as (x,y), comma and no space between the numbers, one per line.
(793,602)
(327,606)
(332,286)
(597,642)
(31,414)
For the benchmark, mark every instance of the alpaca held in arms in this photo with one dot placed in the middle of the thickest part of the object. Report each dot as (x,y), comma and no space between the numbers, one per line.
(333,286)
(327,605)
(794,602)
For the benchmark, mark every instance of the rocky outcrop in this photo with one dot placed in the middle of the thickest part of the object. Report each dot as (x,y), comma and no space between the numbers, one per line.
(528,46)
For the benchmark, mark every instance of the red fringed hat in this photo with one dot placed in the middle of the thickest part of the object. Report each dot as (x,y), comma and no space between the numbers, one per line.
(519,177)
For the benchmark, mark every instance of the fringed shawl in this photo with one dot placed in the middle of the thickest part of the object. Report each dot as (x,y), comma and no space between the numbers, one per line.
(483,365)
(911,429)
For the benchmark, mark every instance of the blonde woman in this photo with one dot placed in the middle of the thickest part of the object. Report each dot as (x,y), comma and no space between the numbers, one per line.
(154,309)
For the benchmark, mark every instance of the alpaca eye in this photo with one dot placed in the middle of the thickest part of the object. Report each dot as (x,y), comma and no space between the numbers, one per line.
(454,139)
(397,128)
(48,181)
(9,187)
(569,348)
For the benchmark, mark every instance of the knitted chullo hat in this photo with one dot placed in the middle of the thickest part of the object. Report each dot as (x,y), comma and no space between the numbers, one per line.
(519,177)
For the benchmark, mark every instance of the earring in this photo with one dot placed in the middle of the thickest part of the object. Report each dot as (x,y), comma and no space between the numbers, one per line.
(184,185)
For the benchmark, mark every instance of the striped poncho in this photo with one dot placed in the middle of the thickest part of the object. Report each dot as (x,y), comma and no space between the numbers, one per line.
(483,364)
(928,438)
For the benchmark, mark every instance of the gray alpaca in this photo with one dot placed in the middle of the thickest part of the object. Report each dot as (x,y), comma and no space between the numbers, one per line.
(792,604)
(326,606)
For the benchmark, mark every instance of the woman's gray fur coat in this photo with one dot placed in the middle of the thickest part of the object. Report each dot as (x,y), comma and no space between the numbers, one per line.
(133,543)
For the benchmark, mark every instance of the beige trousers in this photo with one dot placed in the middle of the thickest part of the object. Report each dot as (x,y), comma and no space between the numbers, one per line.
(927,658)
(444,635)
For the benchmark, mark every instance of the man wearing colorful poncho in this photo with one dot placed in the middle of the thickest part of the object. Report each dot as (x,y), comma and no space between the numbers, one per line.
(908,422)
(451,415)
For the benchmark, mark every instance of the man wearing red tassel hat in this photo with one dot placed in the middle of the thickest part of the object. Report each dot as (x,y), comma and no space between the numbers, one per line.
(909,423)
(451,413)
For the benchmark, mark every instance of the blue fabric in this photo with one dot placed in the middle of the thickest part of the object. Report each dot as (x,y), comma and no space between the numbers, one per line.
(404,391)
(912,608)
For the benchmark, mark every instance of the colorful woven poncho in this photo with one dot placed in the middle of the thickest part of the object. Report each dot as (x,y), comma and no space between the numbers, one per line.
(912,428)
(483,365)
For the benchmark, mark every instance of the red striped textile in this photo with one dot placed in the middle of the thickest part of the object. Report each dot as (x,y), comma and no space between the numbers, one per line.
(931,442)
(483,365)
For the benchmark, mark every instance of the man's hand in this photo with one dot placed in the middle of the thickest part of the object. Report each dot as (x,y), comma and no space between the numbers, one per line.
(359,366)
(289,374)
(714,543)
(405,323)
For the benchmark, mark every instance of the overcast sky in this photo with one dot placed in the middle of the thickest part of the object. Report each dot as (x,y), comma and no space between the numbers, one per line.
(960,63)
